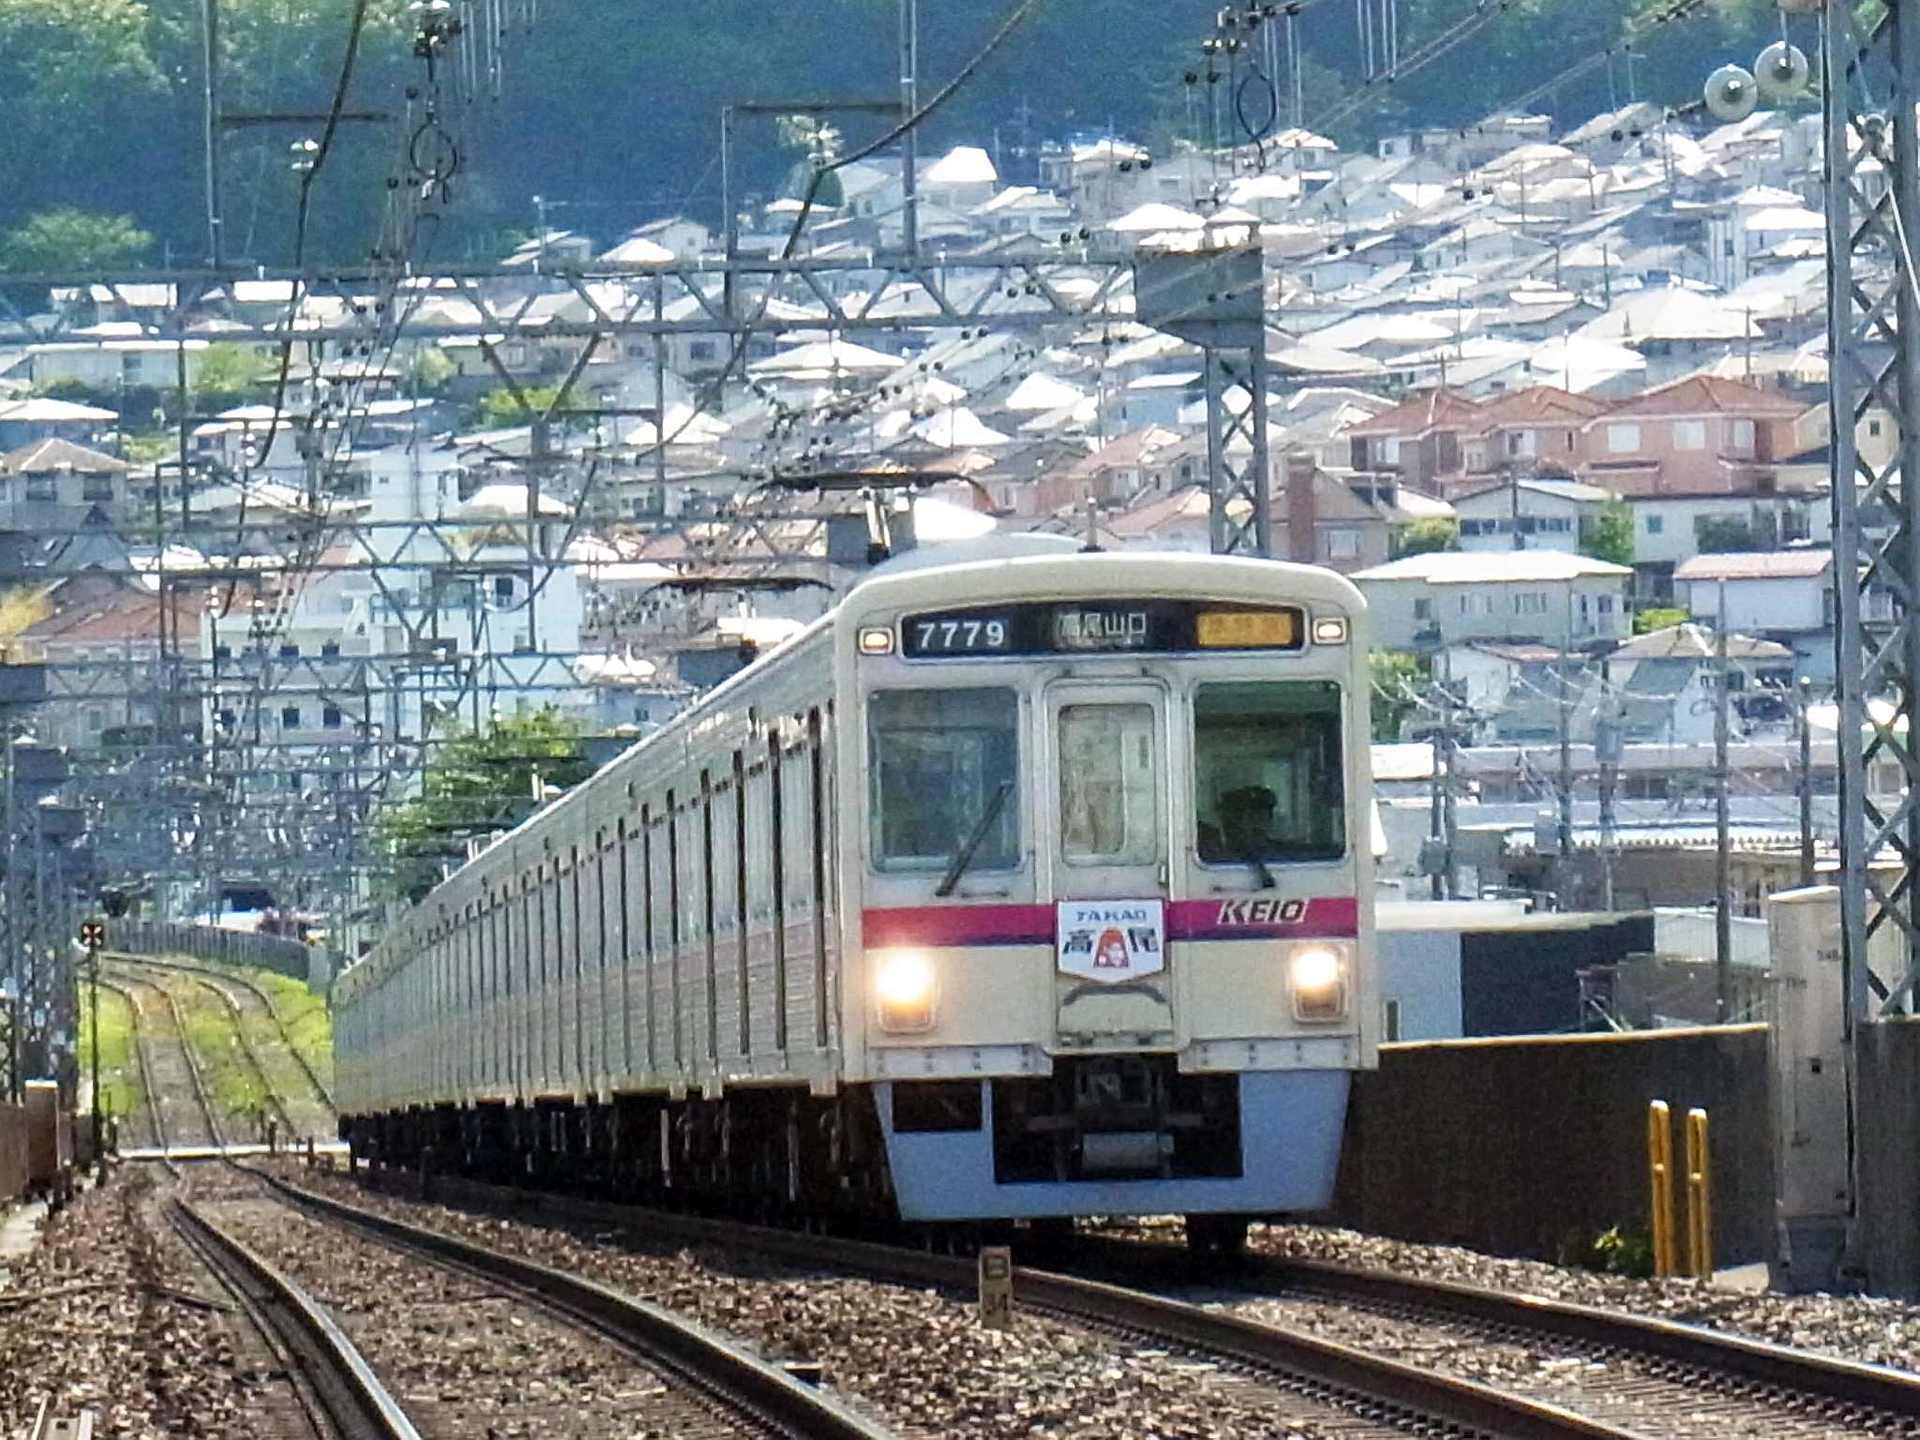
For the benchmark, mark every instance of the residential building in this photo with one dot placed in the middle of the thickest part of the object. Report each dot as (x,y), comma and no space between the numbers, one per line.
(1421,601)
(1663,685)
(1422,439)
(1669,530)
(1538,430)
(1548,514)
(1698,436)
(48,479)
(1784,595)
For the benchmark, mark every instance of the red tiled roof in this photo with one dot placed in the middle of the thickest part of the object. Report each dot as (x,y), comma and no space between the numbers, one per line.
(1707,395)
(1536,403)
(1430,410)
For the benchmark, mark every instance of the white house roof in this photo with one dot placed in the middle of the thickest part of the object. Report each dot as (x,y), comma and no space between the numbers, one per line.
(1041,391)
(825,357)
(42,410)
(1760,565)
(962,165)
(1493,567)
(638,250)
(1153,216)
(504,502)
(957,428)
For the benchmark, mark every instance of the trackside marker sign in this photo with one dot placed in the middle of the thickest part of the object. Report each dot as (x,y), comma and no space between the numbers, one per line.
(1107,941)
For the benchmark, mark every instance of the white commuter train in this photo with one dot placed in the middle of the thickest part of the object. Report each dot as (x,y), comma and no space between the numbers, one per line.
(1025,888)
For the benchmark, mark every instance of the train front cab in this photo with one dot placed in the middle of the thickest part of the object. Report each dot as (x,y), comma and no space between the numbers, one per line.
(1145,989)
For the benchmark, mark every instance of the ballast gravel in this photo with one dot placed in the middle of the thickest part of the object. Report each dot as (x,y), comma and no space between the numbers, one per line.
(916,1358)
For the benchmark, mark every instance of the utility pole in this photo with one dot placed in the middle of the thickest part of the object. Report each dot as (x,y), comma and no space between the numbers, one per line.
(1803,784)
(1606,753)
(210,35)
(1513,504)
(1722,882)
(1565,707)
(910,103)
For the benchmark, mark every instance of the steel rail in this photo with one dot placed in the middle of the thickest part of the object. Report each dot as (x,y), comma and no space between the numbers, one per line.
(232,1007)
(355,1401)
(1829,1377)
(266,1000)
(1416,1399)
(697,1357)
(155,1124)
(186,1050)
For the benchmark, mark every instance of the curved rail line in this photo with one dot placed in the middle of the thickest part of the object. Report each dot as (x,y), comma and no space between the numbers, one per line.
(130,985)
(337,1377)
(320,1087)
(156,1127)
(762,1395)
(272,1091)
(1386,1396)
(1802,1386)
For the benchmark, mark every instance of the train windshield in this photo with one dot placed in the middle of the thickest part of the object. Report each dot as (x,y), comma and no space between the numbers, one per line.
(1268,783)
(940,759)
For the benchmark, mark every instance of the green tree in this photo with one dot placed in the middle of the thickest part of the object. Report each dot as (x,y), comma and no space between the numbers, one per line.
(1422,537)
(228,375)
(1396,676)
(1719,534)
(500,408)
(72,240)
(475,784)
(1609,535)
(1656,617)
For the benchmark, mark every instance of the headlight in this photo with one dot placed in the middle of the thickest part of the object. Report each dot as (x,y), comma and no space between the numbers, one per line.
(904,985)
(1318,976)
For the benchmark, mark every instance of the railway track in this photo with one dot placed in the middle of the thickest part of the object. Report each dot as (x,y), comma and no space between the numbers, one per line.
(1662,1380)
(287,1058)
(273,1086)
(708,1386)
(169,1069)
(156,1129)
(327,1389)
(1346,1389)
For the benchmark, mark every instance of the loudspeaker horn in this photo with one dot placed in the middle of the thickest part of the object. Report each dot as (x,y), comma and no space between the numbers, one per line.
(1781,71)
(1731,93)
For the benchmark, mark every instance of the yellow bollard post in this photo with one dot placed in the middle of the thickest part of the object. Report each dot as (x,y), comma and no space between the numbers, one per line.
(1699,1198)
(1660,1183)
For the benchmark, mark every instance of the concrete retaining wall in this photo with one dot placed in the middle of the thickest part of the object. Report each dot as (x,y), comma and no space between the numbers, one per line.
(1514,1145)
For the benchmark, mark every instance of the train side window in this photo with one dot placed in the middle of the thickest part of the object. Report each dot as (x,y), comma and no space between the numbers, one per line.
(937,762)
(1268,779)
(706,885)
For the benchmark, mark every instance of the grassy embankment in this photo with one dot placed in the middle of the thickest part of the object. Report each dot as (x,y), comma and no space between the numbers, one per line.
(120,1092)
(309,1023)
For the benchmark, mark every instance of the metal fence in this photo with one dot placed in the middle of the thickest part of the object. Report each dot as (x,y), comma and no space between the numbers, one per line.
(213,944)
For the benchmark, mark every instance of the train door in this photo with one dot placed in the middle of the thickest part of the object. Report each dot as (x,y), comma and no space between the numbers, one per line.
(1107,863)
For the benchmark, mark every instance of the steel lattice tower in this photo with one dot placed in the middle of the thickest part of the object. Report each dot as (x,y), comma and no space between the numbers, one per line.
(1872,184)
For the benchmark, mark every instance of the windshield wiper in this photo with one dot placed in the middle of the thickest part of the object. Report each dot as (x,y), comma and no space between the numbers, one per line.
(963,857)
(1250,852)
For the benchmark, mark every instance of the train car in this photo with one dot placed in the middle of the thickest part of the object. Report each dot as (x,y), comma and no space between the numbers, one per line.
(1027,888)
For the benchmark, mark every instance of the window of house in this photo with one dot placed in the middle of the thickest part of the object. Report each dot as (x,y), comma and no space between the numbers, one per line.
(96,721)
(330,717)
(97,487)
(1873,427)
(503,588)
(1513,442)
(41,487)
(289,652)
(290,717)
(700,350)
(329,649)
(1656,524)
(1743,434)
(1689,434)
(224,719)
(1423,609)
(1623,439)
(1342,545)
